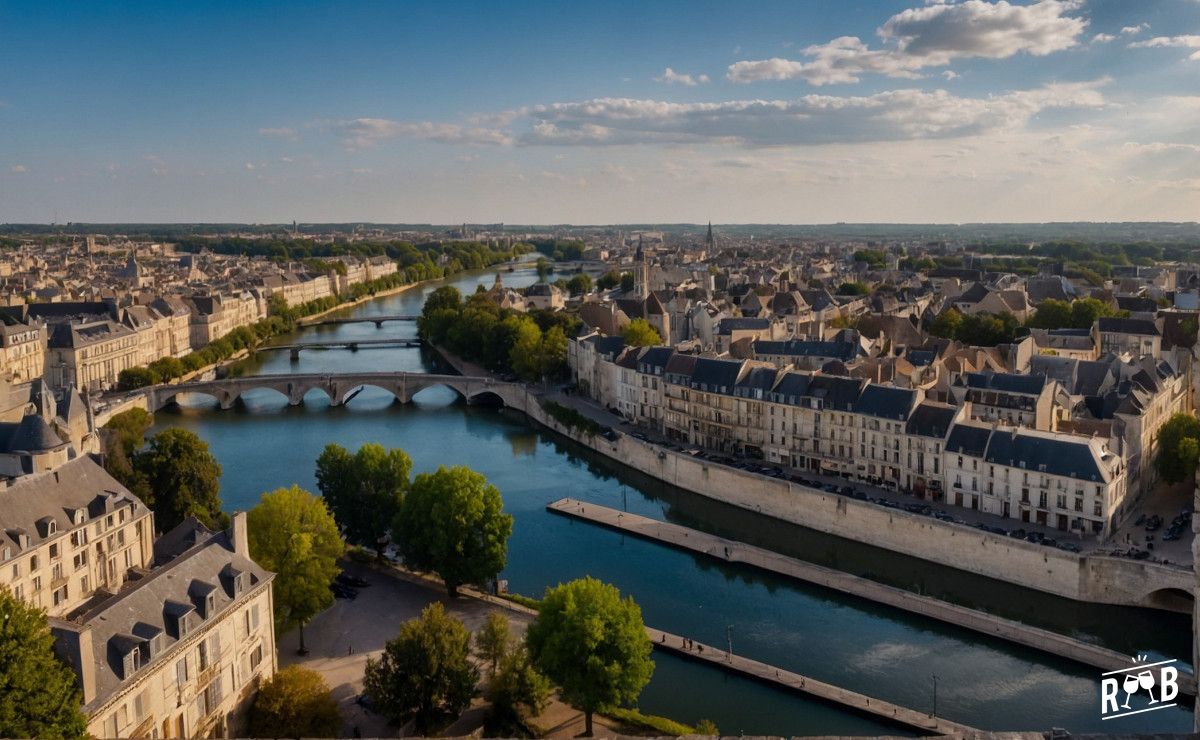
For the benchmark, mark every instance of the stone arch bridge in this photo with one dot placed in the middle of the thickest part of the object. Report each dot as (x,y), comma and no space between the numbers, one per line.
(341,387)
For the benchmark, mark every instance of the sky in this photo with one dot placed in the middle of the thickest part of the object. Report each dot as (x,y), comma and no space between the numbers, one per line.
(798,111)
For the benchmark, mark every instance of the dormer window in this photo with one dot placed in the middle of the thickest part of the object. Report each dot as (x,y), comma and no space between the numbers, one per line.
(79,517)
(132,662)
(210,606)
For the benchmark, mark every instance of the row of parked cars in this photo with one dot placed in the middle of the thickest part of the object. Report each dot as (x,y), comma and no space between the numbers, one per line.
(345,586)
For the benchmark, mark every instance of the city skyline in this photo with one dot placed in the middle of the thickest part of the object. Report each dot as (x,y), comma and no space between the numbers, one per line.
(916,112)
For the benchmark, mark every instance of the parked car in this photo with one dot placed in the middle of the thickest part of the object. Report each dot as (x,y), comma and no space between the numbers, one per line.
(343,592)
(1068,546)
(352,581)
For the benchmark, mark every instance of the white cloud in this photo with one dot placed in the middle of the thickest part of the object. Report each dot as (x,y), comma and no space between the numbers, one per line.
(1134,30)
(1178,42)
(1103,38)
(950,74)
(250,165)
(895,115)
(18,168)
(671,77)
(280,133)
(931,36)
(362,133)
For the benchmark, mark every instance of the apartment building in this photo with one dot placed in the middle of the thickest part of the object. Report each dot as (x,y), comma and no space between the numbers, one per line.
(90,355)
(182,653)
(1136,337)
(1019,400)
(22,349)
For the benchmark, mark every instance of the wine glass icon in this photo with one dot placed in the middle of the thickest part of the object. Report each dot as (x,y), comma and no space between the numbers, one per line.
(1130,685)
(1146,681)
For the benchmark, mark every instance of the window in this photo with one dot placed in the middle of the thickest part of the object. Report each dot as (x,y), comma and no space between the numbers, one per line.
(16,571)
(256,656)
(54,551)
(83,585)
(181,672)
(80,559)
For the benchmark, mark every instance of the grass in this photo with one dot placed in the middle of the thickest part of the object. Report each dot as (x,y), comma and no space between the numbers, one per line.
(524,601)
(571,418)
(659,725)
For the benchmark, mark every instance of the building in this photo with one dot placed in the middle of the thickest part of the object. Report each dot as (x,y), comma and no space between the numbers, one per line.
(90,355)
(181,653)
(1135,337)
(22,349)
(1019,400)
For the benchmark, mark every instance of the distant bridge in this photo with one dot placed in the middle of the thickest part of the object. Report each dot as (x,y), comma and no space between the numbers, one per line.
(341,387)
(376,320)
(350,344)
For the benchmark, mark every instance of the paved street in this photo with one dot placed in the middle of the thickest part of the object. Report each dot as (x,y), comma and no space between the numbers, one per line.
(1166,503)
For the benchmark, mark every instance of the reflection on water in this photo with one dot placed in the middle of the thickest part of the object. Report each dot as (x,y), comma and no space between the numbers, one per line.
(265,444)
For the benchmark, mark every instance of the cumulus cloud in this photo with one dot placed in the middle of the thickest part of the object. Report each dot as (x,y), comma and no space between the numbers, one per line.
(895,115)
(671,77)
(930,36)
(363,133)
(1178,42)
(1103,38)
(1134,30)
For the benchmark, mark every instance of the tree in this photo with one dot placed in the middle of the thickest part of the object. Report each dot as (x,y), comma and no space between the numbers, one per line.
(946,324)
(39,694)
(425,672)
(1178,448)
(517,688)
(544,268)
(627,282)
(707,727)
(123,435)
(132,378)
(1085,311)
(1052,314)
(446,296)
(525,356)
(452,523)
(639,333)
(593,644)
(854,288)
(292,533)
(552,353)
(608,280)
(364,490)
(183,480)
(493,639)
(580,284)
(295,702)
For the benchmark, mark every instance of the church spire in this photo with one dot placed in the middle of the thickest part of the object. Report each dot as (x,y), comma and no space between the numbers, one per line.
(708,239)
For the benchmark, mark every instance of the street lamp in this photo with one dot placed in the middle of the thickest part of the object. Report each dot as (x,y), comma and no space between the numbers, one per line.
(935,680)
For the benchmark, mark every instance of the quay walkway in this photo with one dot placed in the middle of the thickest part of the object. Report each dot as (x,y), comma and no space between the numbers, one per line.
(919,722)
(733,551)
(376,320)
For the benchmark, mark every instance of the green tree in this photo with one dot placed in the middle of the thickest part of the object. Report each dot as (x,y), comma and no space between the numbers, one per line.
(707,727)
(183,480)
(946,324)
(580,284)
(639,333)
(132,378)
(364,490)
(552,353)
(525,355)
(1085,311)
(444,297)
(516,689)
(627,282)
(608,280)
(453,523)
(493,639)
(544,268)
(292,533)
(425,672)
(295,702)
(593,644)
(1052,314)
(1178,448)
(39,694)
(123,435)
(854,288)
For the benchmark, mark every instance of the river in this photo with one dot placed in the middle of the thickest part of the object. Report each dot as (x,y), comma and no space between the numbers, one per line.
(264,444)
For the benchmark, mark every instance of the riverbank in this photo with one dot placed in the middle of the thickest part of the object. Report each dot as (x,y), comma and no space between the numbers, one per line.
(1086,578)
(732,551)
(312,318)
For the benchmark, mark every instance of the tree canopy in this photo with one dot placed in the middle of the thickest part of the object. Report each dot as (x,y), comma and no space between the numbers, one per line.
(593,644)
(183,479)
(580,284)
(1178,448)
(1078,314)
(980,329)
(39,694)
(364,490)
(639,333)
(853,288)
(453,523)
(292,533)
(295,702)
(425,672)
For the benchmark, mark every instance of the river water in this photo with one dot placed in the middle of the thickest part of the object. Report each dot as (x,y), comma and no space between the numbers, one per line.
(264,444)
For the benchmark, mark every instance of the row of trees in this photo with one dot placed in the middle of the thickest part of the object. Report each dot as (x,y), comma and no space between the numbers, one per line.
(532,345)
(988,330)
(281,319)
(586,639)
(450,522)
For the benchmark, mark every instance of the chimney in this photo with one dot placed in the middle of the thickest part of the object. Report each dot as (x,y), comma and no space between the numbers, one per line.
(241,544)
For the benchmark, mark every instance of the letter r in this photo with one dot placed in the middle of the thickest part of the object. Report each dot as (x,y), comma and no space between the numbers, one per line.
(1108,693)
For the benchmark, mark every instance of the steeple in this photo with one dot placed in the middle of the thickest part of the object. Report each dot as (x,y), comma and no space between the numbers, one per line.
(641,272)
(708,239)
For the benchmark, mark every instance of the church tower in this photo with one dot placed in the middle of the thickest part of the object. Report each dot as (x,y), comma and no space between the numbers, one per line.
(641,272)
(709,242)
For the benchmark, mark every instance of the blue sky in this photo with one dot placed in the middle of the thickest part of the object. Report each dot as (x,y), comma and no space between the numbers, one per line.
(542,112)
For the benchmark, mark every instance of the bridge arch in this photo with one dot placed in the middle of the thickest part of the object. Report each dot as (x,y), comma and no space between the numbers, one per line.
(1171,599)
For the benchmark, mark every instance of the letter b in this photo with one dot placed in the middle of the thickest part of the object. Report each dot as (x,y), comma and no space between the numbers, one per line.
(1168,681)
